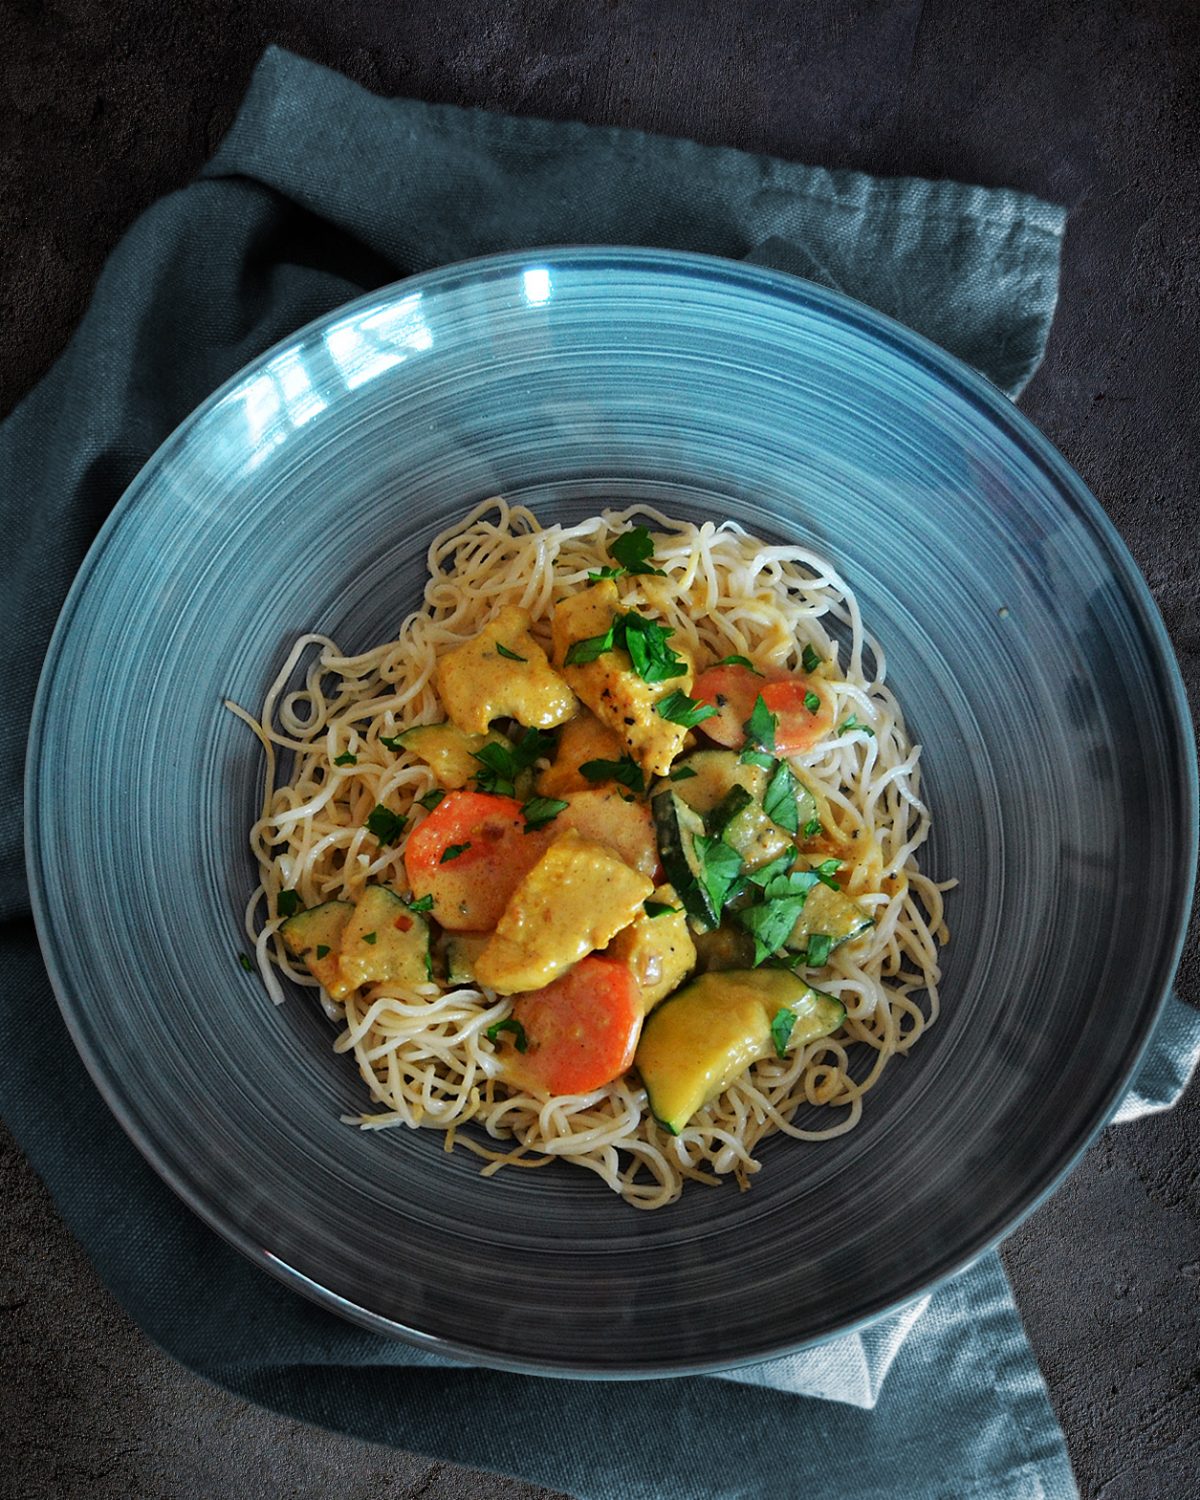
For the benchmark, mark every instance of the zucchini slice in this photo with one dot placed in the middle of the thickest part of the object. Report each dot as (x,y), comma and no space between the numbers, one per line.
(384,942)
(830,912)
(315,936)
(678,826)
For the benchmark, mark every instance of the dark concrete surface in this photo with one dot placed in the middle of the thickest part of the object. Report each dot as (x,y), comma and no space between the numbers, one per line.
(106,104)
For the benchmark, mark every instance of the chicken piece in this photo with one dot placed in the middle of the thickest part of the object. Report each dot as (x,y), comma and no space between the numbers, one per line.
(658,950)
(575,899)
(610,686)
(583,738)
(478,682)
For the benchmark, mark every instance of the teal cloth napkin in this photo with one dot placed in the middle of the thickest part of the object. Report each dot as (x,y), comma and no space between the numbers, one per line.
(322,191)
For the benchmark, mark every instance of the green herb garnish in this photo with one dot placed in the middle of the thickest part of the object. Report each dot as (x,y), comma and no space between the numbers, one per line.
(739,661)
(386,825)
(761,725)
(779,799)
(633,549)
(511,655)
(503,763)
(452,851)
(852,724)
(825,872)
(812,828)
(510,1023)
(601,574)
(392,741)
(345,759)
(758,758)
(782,1025)
(809,659)
(323,950)
(820,946)
(580,653)
(245,963)
(812,701)
(288,903)
(646,641)
(425,903)
(720,867)
(626,771)
(682,773)
(771,920)
(539,811)
(658,908)
(678,708)
(431,799)
(370,937)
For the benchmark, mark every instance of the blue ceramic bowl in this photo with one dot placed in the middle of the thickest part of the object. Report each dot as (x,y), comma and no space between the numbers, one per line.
(1022,642)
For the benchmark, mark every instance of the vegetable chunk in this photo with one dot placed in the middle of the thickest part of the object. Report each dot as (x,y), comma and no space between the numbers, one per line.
(383,942)
(575,899)
(619,696)
(801,706)
(315,935)
(470,854)
(579,1032)
(503,673)
(657,949)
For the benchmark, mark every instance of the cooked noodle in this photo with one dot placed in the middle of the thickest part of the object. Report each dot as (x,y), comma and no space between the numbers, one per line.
(423,1055)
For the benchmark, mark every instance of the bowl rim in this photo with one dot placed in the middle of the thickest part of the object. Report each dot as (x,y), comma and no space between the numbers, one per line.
(773,285)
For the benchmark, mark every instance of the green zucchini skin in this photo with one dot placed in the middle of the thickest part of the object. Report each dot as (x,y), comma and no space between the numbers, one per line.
(677,826)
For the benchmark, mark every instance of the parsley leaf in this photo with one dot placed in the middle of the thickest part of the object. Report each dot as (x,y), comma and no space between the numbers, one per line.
(720,867)
(510,1023)
(425,903)
(323,950)
(779,799)
(386,825)
(758,758)
(502,650)
(392,741)
(452,851)
(820,946)
(682,773)
(245,963)
(812,828)
(288,903)
(431,799)
(345,759)
(812,701)
(771,921)
(579,653)
(633,549)
(772,870)
(852,724)
(499,769)
(825,872)
(739,661)
(809,660)
(626,771)
(370,937)
(658,908)
(646,641)
(601,574)
(761,725)
(782,1025)
(678,708)
(539,811)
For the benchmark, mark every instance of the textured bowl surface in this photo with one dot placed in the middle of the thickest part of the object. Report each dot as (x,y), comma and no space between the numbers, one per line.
(1021,641)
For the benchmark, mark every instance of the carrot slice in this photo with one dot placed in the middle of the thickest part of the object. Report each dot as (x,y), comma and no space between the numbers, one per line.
(470,854)
(580,1032)
(732,691)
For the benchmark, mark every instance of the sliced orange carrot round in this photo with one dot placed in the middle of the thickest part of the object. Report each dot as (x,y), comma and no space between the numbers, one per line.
(733,691)
(580,1032)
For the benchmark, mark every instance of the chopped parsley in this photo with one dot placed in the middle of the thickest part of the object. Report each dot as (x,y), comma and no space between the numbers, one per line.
(425,903)
(771,920)
(779,799)
(782,1025)
(502,763)
(825,872)
(386,825)
(431,799)
(510,1023)
(809,660)
(502,650)
(392,741)
(634,550)
(323,950)
(539,811)
(370,937)
(812,828)
(645,640)
(678,708)
(288,903)
(626,771)
(580,653)
(720,867)
(812,701)
(345,759)
(245,963)
(820,946)
(601,574)
(739,661)
(760,727)
(683,773)
(452,851)
(658,908)
(758,758)
(852,724)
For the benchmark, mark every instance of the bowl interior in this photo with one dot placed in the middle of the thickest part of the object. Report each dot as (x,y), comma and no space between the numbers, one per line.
(1022,645)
